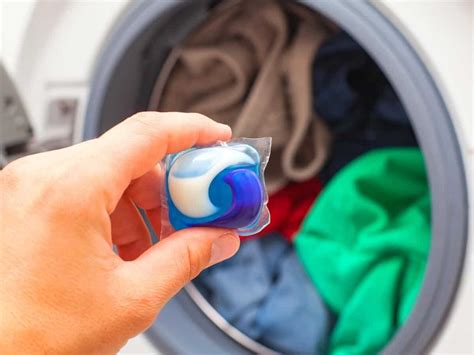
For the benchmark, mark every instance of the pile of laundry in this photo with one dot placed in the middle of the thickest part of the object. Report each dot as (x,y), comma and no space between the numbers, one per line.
(339,268)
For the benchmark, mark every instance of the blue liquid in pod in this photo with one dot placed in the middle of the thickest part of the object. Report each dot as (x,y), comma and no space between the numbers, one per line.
(236,192)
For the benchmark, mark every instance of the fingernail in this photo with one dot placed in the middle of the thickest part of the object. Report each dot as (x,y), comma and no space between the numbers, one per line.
(227,127)
(224,247)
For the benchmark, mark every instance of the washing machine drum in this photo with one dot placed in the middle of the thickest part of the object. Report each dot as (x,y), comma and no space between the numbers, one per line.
(135,56)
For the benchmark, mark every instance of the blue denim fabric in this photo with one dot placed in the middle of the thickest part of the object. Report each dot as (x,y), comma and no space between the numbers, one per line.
(264,292)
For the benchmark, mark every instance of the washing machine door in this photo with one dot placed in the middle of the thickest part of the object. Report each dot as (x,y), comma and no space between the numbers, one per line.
(188,324)
(16,129)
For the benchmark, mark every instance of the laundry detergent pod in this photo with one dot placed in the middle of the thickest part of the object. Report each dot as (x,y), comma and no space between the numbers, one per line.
(217,186)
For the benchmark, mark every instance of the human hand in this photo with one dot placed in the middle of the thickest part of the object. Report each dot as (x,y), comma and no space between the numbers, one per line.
(63,289)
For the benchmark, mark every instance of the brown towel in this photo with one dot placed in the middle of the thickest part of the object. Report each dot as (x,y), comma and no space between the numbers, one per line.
(250,66)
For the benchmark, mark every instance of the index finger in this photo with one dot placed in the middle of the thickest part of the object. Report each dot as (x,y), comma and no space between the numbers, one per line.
(136,145)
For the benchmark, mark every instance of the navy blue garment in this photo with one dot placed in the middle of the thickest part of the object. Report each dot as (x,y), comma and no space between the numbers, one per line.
(369,135)
(349,88)
(353,96)
(265,293)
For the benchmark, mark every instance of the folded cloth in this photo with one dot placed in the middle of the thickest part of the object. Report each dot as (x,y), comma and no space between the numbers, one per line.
(250,66)
(350,88)
(289,206)
(365,244)
(264,292)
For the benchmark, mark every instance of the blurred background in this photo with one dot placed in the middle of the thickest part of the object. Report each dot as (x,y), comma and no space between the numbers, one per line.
(370,106)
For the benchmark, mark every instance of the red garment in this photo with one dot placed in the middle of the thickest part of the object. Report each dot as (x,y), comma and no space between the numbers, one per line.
(289,206)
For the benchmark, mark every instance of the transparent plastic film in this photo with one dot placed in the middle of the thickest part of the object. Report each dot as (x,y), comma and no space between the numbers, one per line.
(221,185)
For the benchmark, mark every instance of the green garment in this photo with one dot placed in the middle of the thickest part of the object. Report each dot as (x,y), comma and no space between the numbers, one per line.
(365,245)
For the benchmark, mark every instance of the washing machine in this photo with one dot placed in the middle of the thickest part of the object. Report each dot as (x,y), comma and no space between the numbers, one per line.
(78,69)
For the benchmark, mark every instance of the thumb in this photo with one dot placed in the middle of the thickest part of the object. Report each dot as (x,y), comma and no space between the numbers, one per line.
(160,272)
